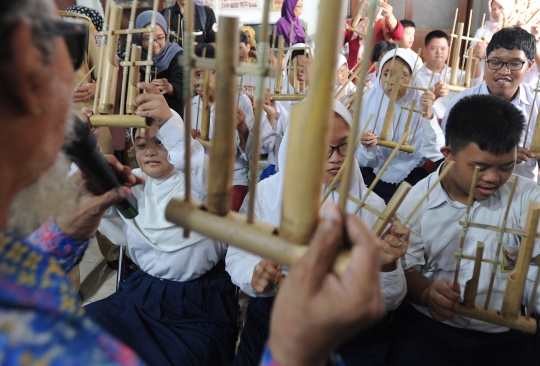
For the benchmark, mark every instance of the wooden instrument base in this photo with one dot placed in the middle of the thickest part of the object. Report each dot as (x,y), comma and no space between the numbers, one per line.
(521,323)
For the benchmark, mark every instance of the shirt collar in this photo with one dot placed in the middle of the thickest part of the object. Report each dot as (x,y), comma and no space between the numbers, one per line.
(520,98)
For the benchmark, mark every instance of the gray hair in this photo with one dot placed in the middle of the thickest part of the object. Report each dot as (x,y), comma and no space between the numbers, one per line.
(12,12)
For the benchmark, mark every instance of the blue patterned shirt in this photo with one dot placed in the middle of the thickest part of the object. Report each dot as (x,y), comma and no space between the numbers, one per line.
(41,320)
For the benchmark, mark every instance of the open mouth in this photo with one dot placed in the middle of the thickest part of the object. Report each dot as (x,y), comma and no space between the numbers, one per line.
(487,191)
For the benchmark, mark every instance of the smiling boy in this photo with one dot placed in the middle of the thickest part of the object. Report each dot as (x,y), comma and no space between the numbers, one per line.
(482,131)
(510,56)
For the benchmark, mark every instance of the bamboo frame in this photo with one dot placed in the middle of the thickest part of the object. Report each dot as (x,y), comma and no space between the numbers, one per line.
(107,71)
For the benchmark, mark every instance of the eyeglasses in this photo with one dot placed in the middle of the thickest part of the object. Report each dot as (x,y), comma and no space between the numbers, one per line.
(75,35)
(513,65)
(341,149)
(158,40)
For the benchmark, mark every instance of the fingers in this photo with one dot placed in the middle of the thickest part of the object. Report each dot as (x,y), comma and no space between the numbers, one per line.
(148,88)
(85,114)
(124,172)
(265,276)
(443,301)
(523,155)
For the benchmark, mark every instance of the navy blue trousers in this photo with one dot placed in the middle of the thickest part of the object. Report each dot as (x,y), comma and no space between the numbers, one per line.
(173,323)
(368,348)
(420,340)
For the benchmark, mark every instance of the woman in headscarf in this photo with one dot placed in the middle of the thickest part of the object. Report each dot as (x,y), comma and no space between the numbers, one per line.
(370,155)
(165,56)
(502,13)
(258,277)
(290,13)
(342,76)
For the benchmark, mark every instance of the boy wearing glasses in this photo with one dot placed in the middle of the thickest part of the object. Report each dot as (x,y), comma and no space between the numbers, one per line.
(510,56)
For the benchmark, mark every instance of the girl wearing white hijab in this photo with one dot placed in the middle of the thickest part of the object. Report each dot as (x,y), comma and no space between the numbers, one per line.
(180,308)
(371,156)
(258,277)
(501,12)
(342,76)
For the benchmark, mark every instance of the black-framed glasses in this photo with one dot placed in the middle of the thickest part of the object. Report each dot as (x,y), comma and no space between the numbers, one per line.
(75,35)
(341,149)
(158,40)
(513,65)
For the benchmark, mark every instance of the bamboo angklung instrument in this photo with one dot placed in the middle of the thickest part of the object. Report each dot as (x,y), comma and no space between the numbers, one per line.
(108,71)
(300,201)
(535,141)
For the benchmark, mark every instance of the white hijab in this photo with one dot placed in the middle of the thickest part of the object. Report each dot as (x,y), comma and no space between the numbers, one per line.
(370,106)
(270,190)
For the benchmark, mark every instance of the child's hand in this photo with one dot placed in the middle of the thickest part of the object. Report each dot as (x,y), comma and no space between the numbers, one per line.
(163,85)
(369,139)
(152,104)
(426,101)
(440,89)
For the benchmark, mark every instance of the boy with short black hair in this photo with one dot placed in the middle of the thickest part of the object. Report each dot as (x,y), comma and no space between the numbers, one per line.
(436,51)
(509,58)
(482,131)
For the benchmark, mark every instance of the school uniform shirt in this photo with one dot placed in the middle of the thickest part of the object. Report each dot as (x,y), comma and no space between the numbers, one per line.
(424,77)
(241,164)
(435,237)
(268,202)
(156,245)
(524,101)
(375,104)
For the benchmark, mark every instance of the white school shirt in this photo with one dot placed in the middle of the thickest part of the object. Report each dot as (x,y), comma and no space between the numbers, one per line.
(240,264)
(524,102)
(241,164)
(435,236)
(423,77)
(189,262)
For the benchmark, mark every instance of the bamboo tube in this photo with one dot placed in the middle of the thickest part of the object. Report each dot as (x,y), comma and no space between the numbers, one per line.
(310,133)
(355,30)
(291,36)
(289,97)
(101,57)
(443,173)
(382,98)
(466,38)
(451,39)
(471,286)
(358,14)
(151,42)
(535,142)
(467,81)
(532,17)
(409,118)
(455,55)
(187,44)
(126,120)
(391,209)
(499,242)
(389,117)
(134,77)
(107,95)
(127,57)
(232,229)
(222,156)
(465,225)
(348,164)
(85,76)
(295,77)
(263,47)
(279,76)
(516,279)
(205,118)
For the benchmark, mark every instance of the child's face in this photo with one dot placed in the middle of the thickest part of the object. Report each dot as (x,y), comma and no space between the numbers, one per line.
(390,75)
(504,82)
(302,66)
(342,74)
(151,155)
(340,134)
(436,52)
(243,51)
(198,81)
(408,37)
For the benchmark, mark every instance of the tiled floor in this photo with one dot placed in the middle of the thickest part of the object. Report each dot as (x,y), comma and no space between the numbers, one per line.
(97,280)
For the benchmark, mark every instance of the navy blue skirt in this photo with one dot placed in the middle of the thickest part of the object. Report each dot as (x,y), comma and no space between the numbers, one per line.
(173,323)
